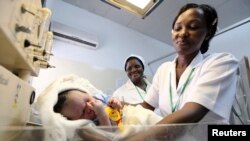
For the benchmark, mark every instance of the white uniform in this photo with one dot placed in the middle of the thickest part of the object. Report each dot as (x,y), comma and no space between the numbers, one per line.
(212,84)
(130,93)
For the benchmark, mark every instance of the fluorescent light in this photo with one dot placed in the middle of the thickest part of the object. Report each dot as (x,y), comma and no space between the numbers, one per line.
(139,3)
(141,8)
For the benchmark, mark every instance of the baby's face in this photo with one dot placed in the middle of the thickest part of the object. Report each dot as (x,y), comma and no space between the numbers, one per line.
(75,107)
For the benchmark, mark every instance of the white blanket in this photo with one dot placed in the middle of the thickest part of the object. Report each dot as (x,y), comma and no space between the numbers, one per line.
(64,129)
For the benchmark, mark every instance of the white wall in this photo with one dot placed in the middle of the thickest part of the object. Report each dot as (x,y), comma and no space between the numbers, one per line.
(116,43)
(235,41)
(49,3)
(105,79)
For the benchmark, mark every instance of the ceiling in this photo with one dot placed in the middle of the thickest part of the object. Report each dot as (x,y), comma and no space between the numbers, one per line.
(158,24)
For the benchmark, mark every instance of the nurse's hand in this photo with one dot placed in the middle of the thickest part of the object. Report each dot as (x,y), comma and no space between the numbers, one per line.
(115,103)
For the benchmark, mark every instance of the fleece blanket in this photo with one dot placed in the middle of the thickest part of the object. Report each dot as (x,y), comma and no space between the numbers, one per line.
(64,129)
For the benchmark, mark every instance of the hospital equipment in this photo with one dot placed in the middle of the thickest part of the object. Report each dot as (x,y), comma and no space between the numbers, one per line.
(24,34)
(15,100)
(25,42)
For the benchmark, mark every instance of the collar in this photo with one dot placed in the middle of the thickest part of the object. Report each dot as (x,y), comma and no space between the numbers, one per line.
(130,85)
(195,62)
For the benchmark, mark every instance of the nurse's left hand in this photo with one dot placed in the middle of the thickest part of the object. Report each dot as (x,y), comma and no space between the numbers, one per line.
(115,103)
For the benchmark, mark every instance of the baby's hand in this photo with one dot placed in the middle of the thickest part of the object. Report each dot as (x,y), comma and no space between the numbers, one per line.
(99,108)
(115,103)
(96,105)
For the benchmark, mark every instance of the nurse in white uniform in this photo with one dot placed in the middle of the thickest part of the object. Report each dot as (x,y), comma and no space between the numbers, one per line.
(134,90)
(196,86)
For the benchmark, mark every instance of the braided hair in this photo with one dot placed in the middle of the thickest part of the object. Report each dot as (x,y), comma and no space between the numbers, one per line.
(211,20)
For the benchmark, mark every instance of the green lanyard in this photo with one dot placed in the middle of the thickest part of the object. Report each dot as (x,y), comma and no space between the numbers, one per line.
(174,106)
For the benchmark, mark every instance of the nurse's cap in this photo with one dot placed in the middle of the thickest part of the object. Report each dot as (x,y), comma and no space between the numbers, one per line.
(139,58)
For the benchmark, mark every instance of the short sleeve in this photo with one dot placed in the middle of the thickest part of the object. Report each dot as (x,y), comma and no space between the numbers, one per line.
(152,96)
(216,84)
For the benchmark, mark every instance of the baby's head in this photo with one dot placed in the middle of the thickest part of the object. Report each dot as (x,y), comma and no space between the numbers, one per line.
(73,105)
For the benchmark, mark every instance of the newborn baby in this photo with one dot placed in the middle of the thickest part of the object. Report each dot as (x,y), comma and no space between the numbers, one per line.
(76,104)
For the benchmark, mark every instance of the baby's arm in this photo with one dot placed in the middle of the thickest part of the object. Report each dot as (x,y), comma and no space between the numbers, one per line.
(99,108)
(115,103)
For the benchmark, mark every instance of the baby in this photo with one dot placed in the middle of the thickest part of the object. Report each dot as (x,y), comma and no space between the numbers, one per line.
(76,104)
(72,102)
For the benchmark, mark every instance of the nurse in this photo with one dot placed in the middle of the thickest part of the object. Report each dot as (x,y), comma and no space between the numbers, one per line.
(134,90)
(196,86)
